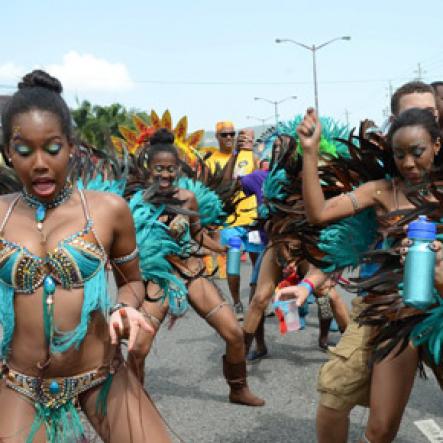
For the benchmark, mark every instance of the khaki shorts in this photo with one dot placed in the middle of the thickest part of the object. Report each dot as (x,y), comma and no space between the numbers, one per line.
(344,381)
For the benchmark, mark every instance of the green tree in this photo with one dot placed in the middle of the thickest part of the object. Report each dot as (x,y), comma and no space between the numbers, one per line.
(96,124)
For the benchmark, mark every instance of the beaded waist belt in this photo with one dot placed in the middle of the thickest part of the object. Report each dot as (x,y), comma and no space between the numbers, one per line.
(53,392)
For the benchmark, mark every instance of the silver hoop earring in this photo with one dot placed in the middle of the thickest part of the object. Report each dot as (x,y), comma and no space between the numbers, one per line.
(9,159)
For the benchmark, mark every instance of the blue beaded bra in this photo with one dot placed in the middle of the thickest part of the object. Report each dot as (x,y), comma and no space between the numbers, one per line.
(78,261)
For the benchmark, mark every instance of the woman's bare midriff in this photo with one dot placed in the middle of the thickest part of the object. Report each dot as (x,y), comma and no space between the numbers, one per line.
(29,347)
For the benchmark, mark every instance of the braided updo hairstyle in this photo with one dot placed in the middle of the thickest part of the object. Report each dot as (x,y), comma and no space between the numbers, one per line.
(37,91)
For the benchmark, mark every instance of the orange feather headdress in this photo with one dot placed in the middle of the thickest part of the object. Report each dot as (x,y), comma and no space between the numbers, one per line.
(134,139)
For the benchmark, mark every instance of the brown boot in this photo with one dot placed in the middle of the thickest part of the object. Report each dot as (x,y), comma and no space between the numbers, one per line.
(248,338)
(235,374)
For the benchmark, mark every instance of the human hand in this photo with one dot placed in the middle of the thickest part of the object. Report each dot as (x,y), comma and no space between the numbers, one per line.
(223,249)
(244,141)
(309,132)
(435,246)
(300,293)
(126,323)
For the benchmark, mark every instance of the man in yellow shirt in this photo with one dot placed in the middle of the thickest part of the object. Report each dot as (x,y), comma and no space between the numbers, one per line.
(247,209)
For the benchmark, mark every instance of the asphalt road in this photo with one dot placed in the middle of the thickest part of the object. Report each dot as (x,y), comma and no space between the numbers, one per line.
(184,377)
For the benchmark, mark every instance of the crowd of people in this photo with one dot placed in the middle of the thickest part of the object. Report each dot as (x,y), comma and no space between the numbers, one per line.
(161,217)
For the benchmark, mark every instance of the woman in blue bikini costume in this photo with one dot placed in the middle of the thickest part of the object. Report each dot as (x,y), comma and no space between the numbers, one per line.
(60,348)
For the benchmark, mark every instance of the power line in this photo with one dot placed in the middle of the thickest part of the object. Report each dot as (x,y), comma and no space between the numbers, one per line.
(253,83)
(246,83)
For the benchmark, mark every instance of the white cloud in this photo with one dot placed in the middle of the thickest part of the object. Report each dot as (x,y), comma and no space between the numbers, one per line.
(86,73)
(78,73)
(11,73)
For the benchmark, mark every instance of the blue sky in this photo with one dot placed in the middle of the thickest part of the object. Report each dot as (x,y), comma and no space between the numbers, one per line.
(208,59)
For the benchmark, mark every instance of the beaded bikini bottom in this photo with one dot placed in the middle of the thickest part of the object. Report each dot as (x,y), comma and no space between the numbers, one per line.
(53,393)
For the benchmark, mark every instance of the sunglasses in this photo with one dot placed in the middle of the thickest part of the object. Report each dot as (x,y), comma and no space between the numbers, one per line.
(227,134)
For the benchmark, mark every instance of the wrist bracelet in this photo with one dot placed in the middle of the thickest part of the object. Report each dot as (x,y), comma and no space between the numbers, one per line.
(118,306)
(307,286)
(309,282)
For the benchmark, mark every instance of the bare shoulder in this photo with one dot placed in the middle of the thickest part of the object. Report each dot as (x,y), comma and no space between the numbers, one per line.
(6,201)
(382,191)
(185,194)
(373,186)
(113,204)
(189,198)
(383,184)
(189,193)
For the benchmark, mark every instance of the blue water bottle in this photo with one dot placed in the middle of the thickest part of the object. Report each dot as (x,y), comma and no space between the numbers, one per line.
(418,277)
(234,254)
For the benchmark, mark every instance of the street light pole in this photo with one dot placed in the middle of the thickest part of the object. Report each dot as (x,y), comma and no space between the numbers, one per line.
(276,114)
(276,103)
(262,120)
(314,50)
(314,67)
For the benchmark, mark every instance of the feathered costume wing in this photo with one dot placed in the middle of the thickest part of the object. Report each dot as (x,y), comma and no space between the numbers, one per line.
(156,244)
(356,240)
(282,215)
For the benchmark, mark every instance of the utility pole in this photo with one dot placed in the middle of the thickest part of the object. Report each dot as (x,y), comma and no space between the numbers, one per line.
(420,72)
(390,90)
(347,117)
(313,49)
(389,93)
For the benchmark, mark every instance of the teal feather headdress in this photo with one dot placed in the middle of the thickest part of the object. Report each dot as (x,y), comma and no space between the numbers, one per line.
(329,145)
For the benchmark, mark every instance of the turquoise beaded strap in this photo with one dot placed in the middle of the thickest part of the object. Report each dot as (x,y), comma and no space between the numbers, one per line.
(48,308)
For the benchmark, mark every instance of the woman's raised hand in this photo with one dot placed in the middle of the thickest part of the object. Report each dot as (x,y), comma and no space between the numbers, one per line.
(309,132)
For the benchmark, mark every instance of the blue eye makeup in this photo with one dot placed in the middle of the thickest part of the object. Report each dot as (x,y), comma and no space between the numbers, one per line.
(23,150)
(53,148)
(417,152)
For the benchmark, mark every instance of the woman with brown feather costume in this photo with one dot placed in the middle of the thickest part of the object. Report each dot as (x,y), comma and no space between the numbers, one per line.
(282,192)
(396,189)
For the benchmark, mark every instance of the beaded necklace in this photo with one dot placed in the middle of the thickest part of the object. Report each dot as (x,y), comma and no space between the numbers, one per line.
(42,207)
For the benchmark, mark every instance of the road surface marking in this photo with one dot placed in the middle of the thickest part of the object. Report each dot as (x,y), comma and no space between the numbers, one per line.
(431,430)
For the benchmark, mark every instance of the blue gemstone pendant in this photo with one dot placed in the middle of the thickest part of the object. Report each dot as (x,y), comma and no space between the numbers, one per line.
(40,213)
(54,387)
(49,285)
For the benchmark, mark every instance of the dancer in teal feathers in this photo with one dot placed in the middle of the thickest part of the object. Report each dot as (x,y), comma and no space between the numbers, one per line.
(60,341)
(169,222)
